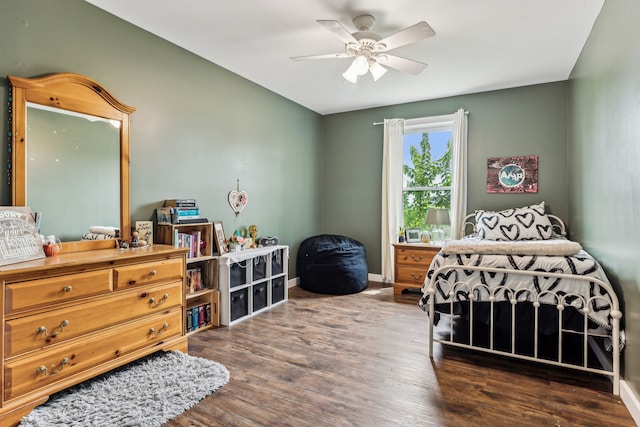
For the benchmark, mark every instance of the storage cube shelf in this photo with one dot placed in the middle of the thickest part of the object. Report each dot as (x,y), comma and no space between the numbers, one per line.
(202,309)
(251,281)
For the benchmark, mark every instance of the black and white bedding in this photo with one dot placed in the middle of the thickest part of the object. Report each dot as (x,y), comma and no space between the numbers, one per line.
(554,255)
(532,292)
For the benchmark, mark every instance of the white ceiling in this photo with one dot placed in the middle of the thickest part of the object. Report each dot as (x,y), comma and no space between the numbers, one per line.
(479,45)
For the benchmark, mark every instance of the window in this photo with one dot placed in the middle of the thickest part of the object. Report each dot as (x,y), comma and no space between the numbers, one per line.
(427,173)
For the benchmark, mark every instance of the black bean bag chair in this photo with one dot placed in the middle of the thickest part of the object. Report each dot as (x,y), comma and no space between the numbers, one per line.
(332,264)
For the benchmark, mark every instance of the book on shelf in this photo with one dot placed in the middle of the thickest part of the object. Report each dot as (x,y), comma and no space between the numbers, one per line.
(163,215)
(199,220)
(189,325)
(179,202)
(145,231)
(195,315)
(192,241)
(194,210)
(198,316)
(201,316)
(207,315)
(194,280)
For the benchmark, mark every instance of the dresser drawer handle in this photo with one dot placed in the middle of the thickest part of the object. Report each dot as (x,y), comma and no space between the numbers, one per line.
(417,277)
(153,272)
(67,288)
(55,370)
(152,331)
(417,258)
(43,329)
(155,303)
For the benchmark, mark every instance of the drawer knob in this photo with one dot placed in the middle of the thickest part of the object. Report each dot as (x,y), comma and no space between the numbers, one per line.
(54,370)
(153,273)
(67,288)
(417,258)
(43,329)
(154,333)
(417,277)
(155,303)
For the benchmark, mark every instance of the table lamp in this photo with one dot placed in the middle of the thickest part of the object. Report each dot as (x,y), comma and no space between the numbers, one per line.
(436,217)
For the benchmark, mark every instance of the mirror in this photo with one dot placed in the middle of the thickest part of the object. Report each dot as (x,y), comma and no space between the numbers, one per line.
(70,155)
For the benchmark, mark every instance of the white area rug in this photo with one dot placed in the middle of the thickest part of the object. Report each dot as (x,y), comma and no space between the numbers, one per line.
(148,392)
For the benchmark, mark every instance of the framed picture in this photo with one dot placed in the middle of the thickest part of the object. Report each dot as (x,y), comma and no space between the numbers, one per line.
(145,231)
(221,241)
(512,174)
(412,235)
(19,237)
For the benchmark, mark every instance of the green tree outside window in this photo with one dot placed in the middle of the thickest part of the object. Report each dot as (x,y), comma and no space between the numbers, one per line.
(427,183)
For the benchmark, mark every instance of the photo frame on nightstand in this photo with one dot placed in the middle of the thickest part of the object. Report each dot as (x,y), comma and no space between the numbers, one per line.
(412,235)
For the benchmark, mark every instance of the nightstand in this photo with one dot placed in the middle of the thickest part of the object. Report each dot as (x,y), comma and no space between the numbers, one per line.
(411,263)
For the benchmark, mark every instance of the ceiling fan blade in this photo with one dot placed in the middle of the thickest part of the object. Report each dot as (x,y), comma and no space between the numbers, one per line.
(414,33)
(339,30)
(402,64)
(326,56)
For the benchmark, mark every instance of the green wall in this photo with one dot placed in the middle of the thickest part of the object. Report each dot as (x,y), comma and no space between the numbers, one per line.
(604,154)
(198,127)
(523,121)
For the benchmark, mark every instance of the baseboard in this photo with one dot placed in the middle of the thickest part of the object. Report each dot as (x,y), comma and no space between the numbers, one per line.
(293,282)
(375,277)
(630,400)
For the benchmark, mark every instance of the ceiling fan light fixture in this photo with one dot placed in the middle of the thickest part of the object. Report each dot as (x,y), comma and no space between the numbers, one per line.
(351,75)
(361,65)
(376,70)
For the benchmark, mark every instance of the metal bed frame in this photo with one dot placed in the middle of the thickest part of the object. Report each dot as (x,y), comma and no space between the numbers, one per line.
(517,296)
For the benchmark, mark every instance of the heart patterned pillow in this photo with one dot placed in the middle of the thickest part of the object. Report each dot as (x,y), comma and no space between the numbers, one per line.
(526,223)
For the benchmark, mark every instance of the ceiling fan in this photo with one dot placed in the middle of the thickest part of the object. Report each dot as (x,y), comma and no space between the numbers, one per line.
(370,50)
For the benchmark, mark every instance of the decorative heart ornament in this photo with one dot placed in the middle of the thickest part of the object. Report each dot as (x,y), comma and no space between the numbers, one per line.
(238,200)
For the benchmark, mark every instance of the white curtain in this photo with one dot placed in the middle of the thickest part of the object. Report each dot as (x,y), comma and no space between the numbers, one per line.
(459,174)
(394,130)
(391,192)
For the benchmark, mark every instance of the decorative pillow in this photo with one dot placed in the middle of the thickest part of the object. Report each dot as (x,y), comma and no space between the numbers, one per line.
(526,223)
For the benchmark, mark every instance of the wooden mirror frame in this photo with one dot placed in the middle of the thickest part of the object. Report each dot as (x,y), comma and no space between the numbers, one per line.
(80,94)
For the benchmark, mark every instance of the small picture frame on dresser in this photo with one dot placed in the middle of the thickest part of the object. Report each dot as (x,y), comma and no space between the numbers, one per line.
(412,235)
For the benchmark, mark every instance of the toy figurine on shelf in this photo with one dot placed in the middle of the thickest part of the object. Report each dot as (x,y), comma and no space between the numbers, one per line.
(253,234)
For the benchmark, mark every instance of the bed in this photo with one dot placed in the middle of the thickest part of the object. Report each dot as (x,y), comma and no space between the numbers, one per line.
(516,286)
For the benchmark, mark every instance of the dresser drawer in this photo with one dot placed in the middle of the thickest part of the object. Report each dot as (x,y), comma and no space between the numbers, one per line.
(141,274)
(415,257)
(43,329)
(20,296)
(26,374)
(413,275)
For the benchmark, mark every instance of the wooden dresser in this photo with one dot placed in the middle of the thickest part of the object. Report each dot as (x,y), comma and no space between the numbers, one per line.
(77,315)
(411,263)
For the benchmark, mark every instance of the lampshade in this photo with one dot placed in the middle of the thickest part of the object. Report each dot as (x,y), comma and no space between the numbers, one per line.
(438,216)
(360,66)
(351,75)
(376,70)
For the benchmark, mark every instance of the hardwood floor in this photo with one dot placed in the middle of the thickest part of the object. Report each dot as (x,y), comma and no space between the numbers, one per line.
(361,360)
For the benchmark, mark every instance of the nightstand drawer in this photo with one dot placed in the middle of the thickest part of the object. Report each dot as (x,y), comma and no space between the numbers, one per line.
(411,274)
(410,256)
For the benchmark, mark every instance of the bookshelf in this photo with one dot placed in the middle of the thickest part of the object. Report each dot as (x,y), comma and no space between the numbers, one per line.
(202,309)
(251,281)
